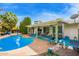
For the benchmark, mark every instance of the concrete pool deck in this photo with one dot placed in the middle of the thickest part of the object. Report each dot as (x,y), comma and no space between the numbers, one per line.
(25,51)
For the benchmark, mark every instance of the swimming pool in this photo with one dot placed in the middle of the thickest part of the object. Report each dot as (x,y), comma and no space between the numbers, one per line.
(14,42)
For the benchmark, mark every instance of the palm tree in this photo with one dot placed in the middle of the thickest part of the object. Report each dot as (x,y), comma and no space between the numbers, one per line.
(74,16)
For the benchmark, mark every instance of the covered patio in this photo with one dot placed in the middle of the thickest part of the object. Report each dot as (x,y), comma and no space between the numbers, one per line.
(56,29)
(51,28)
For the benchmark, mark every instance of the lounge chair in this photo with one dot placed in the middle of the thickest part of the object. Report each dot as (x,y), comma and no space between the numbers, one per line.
(65,40)
(33,35)
(7,33)
(48,38)
(60,40)
(70,42)
(74,44)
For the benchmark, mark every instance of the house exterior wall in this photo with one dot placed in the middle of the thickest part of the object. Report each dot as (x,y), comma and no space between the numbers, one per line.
(71,30)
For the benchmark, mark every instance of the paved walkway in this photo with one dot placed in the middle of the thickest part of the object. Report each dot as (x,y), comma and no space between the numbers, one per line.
(40,46)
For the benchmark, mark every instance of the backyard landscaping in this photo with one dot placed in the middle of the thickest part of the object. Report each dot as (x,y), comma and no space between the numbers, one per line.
(40,39)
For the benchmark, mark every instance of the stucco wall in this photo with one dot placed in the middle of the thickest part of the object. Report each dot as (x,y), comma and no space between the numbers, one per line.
(71,31)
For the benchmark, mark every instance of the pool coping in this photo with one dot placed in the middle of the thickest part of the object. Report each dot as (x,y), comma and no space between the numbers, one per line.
(4,36)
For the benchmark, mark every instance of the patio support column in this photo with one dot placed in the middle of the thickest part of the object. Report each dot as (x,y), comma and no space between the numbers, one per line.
(63,35)
(28,30)
(31,30)
(42,30)
(56,33)
(36,32)
(50,30)
(63,30)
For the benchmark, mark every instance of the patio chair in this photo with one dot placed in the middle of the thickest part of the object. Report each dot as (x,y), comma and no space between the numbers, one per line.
(53,49)
(74,44)
(48,38)
(60,40)
(50,52)
(66,40)
(8,32)
(51,40)
(33,35)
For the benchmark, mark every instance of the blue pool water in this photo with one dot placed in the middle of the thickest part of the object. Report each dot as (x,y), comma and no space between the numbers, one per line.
(14,42)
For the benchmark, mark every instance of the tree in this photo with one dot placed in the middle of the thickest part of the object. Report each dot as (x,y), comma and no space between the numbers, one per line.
(9,20)
(23,24)
(27,21)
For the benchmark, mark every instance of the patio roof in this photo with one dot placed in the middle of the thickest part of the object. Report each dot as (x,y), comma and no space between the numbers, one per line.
(49,23)
(54,22)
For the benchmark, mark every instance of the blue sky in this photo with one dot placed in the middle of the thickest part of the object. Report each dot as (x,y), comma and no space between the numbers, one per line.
(41,11)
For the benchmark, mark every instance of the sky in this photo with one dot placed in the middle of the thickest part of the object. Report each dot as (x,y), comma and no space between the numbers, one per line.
(41,11)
